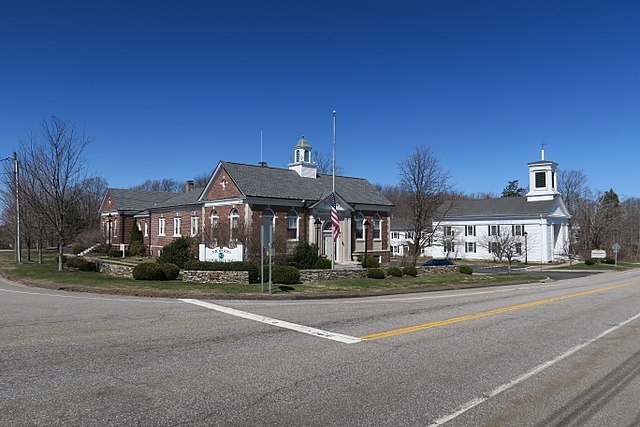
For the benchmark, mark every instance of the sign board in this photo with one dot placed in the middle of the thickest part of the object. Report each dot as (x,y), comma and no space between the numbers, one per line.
(220,254)
(616,247)
(598,253)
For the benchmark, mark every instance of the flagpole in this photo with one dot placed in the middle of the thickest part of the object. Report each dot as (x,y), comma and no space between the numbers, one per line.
(333,188)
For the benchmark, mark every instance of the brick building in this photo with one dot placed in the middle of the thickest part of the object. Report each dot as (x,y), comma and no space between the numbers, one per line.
(239,198)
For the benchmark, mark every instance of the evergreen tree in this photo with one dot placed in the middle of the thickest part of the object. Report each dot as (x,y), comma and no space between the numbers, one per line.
(513,190)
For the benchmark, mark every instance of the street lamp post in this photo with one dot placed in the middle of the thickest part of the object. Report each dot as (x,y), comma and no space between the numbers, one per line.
(317,223)
(526,248)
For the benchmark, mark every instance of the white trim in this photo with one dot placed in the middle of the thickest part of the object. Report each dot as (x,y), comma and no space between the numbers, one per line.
(177,220)
(225,202)
(162,226)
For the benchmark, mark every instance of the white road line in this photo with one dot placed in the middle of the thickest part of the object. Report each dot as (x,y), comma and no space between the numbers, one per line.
(146,300)
(346,339)
(504,387)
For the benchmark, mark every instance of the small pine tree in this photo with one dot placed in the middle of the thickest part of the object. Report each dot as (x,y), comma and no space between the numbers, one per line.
(136,234)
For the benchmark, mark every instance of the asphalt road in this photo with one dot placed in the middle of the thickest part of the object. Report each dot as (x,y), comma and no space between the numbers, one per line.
(557,354)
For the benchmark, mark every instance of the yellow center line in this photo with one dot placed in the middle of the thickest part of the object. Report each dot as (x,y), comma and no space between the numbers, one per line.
(415,328)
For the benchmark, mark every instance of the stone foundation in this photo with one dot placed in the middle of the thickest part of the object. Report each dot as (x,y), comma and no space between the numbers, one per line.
(116,270)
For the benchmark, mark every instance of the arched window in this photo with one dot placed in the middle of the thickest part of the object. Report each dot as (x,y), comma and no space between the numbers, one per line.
(377,227)
(234,218)
(359,226)
(268,224)
(307,156)
(292,225)
(214,228)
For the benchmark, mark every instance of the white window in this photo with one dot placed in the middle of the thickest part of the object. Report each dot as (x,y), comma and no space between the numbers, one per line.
(494,248)
(448,230)
(194,225)
(146,229)
(494,230)
(233,223)
(177,222)
(161,227)
(359,226)
(115,228)
(449,246)
(517,230)
(518,248)
(471,247)
(470,230)
(292,225)
(377,226)
(395,235)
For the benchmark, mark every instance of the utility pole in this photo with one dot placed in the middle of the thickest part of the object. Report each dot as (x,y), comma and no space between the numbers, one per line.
(16,182)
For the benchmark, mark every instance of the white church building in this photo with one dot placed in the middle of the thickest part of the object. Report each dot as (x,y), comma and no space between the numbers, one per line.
(533,228)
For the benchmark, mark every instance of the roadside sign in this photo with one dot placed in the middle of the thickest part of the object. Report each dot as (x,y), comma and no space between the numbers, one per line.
(598,253)
(616,247)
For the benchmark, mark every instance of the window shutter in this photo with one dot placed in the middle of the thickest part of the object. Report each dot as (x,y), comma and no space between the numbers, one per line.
(465,230)
(489,230)
(513,230)
(498,228)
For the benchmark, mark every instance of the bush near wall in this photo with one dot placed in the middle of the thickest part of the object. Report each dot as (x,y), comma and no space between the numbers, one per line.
(465,269)
(410,271)
(394,271)
(322,264)
(149,271)
(370,262)
(375,273)
(177,252)
(81,264)
(285,274)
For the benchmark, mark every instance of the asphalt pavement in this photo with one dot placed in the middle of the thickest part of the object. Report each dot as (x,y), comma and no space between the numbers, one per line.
(562,353)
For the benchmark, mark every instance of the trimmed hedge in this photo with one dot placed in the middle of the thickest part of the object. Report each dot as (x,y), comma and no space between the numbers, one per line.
(322,264)
(609,260)
(376,273)
(149,271)
(117,253)
(305,255)
(394,271)
(171,271)
(251,268)
(370,262)
(285,274)
(465,269)
(410,271)
(81,264)
(589,261)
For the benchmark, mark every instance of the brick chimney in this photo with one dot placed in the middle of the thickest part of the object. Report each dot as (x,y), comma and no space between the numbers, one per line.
(188,186)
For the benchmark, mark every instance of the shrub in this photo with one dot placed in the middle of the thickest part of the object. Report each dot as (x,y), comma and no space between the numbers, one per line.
(136,248)
(375,273)
(77,248)
(305,255)
(136,235)
(609,260)
(465,269)
(116,253)
(322,264)
(251,268)
(177,252)
(370,262)
(171,271)
(149,271)
(394,271)
(589,261)
(64,259)
(285,274)
(86,265)
(410,271)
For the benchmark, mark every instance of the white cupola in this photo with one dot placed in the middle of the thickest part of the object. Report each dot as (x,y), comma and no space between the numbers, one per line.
(543,180)
(302,159)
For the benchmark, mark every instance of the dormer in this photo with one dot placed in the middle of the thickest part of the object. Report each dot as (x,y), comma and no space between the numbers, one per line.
(302,159)
(543,180)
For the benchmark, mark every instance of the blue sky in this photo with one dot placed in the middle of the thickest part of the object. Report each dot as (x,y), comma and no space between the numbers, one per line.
(167,89)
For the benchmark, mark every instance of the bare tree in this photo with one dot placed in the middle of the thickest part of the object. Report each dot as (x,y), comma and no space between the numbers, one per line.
(504,244)
(426,185)
(166,184)
(202,180)
(53,168)
(324,163)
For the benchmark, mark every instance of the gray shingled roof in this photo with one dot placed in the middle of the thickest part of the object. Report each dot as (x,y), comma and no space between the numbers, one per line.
(137,200)
(277,183)
(507,206)
(182,199)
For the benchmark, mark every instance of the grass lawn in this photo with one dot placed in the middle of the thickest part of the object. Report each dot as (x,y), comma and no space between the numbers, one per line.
(46,275)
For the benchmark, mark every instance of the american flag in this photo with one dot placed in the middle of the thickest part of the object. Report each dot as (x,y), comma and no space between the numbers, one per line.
(334,218)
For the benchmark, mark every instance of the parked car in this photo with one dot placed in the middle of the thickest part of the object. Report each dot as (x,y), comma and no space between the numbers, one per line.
(437,261)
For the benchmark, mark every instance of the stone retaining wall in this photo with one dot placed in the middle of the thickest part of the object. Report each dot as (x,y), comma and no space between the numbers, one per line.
(116,270)
(437,269)
(321,275)
(199,276)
